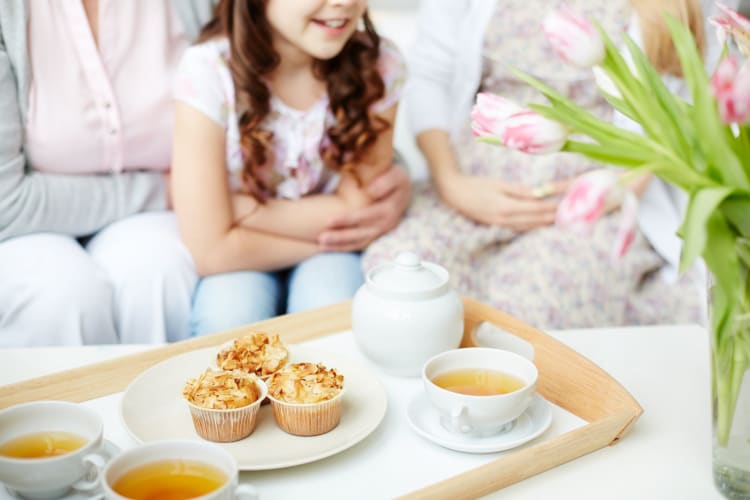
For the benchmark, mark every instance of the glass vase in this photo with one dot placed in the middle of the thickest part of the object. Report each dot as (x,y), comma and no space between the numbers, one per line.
(730,391)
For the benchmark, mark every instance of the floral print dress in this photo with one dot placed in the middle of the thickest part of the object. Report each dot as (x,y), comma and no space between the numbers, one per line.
(549,277)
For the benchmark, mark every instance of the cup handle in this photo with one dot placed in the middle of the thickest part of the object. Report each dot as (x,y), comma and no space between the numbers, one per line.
(94,464)
(460,420)
(246,492)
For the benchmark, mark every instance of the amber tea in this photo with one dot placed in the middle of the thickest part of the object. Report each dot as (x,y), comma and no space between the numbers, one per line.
(42,445)
(170,480)
(478,382)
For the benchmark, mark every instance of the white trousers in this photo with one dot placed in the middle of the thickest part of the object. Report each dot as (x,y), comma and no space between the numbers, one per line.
(131,283)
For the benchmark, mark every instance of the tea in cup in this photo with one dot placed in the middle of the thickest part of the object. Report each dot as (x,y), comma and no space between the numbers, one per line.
(479,391)
(49,447)
(175,470)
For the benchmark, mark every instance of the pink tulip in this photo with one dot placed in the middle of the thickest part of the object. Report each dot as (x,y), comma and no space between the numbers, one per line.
(574,39)
(733,17)
(731,23)
(731,86)
(488,114)
(588,198)
(497,119)
(591,196)
(626,226)
(531,133)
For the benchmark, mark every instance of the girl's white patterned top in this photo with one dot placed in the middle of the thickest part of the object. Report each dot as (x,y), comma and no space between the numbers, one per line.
(296,168)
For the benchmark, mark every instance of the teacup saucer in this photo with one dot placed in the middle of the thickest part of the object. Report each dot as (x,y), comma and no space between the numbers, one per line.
(108,449)
(425,420)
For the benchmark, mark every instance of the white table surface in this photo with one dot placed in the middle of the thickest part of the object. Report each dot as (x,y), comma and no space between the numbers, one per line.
(666,455)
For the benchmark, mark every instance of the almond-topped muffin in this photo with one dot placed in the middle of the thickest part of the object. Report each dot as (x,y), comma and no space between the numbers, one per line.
(256,353)
(224,404)
(305,383)
(306,398)
(222,389)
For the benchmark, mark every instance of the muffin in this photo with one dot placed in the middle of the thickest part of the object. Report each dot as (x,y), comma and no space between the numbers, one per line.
(306,398)
(224,404)
(256,353)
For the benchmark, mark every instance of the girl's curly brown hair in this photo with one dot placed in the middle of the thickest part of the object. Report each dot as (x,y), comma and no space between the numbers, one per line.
(352,81)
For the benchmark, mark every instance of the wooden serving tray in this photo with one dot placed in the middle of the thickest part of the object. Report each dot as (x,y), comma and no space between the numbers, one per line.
(566,379)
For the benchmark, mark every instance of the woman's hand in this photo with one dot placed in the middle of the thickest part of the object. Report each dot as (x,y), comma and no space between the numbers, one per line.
(492,202)
(390,193)
(484,199)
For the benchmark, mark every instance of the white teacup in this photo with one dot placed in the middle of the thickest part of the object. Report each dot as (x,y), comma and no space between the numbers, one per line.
(198,451)
(479,415)
(52,477)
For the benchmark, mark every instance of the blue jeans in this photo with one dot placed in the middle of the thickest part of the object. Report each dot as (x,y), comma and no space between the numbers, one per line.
(229,300)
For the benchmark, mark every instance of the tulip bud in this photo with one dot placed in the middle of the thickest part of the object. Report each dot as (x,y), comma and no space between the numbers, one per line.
(730,23)
(588,198)
(488,114)
(626,226)
(733,17)
(731,86)
(531,133)
(574,39)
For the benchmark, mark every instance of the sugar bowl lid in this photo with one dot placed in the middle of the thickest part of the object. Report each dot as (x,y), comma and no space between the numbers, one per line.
(408,277)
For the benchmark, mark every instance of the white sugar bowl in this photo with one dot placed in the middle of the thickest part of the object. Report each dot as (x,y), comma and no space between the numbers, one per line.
(406,313)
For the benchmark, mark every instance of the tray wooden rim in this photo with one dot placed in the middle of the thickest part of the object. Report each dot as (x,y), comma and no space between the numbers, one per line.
(566,379)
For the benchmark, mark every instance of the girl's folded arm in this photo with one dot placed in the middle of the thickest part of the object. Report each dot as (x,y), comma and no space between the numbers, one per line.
(203,204)
(307,217)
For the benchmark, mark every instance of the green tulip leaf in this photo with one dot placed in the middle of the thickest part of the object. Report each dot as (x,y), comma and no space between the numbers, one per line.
(495,141)
(694,231)
(676,174)
(671,111)
(737,211)
(708,126)
(721,256)
(602,154)
(743,252)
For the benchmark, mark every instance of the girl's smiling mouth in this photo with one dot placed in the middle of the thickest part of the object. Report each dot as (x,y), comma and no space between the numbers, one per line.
(332,26)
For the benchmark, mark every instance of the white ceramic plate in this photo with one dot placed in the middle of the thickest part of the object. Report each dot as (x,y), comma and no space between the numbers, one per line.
(153,409)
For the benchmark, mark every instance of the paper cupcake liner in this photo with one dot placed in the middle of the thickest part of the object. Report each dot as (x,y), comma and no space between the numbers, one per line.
(224,426)
(309,419)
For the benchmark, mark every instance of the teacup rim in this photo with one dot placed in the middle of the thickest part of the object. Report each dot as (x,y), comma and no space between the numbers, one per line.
(86,448)
(527,386)
(172,442)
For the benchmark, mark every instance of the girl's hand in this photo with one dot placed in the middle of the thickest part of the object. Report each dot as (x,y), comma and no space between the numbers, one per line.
(492,202)
(390,193)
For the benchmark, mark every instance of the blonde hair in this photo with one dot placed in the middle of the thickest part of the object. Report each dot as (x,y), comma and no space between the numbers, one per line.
(657,41)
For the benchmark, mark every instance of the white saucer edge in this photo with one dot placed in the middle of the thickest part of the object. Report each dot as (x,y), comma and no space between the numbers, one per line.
(492,444)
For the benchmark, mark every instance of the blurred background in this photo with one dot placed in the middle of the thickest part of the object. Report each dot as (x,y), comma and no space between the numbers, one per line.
(396,20)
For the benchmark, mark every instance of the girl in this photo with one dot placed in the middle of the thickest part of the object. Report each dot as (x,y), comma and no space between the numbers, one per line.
(291,103)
